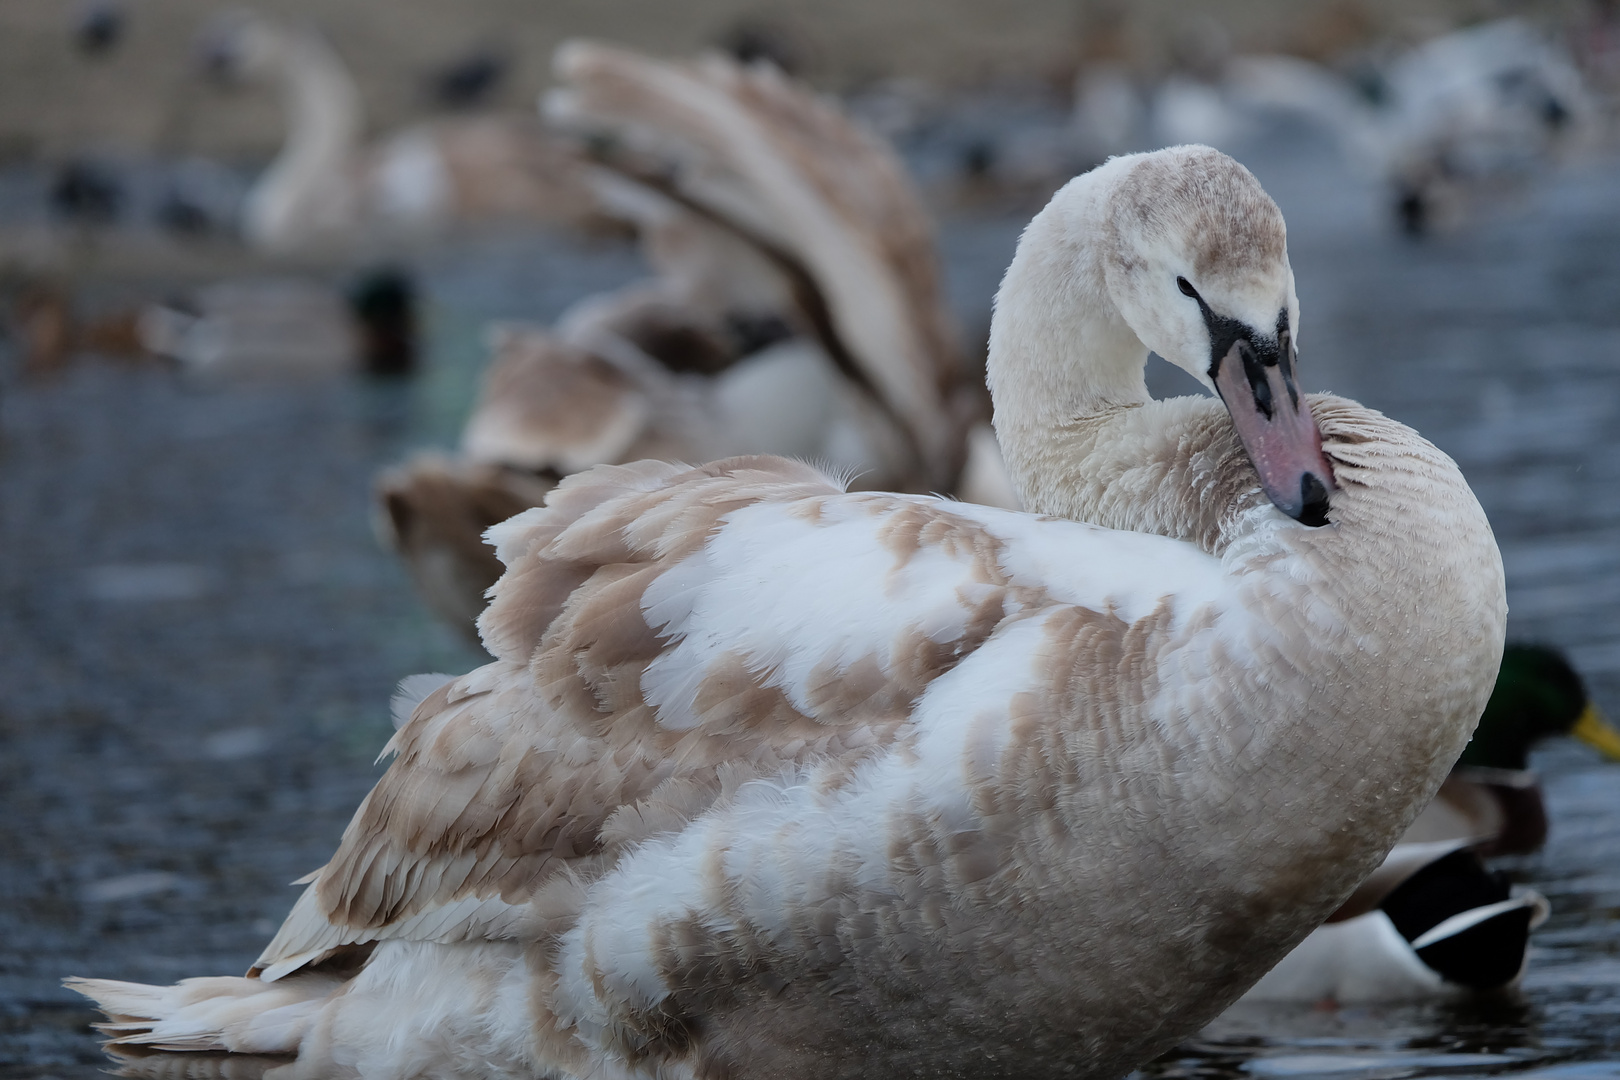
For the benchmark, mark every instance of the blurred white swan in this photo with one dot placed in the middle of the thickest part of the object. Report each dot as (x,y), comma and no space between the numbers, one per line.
(795,307)
(1452,118)
(326,188)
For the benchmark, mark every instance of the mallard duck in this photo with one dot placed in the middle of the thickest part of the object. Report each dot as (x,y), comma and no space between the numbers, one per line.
(1435,921)
(773,779)
(258,327)
(1492,799)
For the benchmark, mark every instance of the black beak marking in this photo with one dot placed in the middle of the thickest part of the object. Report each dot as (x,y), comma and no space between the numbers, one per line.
(1286,356)
(1255,352)
(1254,369)
(1313,501)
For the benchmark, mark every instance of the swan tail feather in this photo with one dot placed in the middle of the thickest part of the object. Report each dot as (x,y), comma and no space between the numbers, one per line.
(221,1028)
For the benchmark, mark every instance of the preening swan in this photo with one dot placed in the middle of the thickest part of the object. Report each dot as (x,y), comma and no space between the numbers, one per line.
(773,780)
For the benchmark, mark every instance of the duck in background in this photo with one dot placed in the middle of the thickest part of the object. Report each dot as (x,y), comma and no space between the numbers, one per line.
(1434,920)
(50,334)
(1492,797)
(325,188)
(287,326)
(99,27)
(270,327)
(469,80)
(1444,126)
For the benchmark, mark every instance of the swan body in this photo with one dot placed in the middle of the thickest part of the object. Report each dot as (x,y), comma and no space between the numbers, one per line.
(551,404)
(772,779)
(550,408)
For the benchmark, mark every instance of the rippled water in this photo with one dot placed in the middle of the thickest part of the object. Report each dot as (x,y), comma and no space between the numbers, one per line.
(198,635)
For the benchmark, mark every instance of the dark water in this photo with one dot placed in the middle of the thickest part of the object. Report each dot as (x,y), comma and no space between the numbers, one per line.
(198,634)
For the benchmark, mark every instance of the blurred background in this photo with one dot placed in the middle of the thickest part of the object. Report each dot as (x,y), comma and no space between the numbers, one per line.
(256,263)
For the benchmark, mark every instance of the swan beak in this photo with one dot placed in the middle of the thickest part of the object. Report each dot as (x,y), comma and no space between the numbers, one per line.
(1275,424)
(1595,731)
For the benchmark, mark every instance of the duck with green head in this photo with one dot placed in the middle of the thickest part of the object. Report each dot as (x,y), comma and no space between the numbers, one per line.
(1434,920)
(1492,798)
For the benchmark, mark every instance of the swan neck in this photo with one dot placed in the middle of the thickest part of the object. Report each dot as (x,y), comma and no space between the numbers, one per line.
(1060,353)
(322,102)
(322,108)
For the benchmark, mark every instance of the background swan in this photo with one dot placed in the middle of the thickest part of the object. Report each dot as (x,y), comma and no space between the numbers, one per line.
(759,208)
(325,187)
(773,780)
(762,153)
(1458,118)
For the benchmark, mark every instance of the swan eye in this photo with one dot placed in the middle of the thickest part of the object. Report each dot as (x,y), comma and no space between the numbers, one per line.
(1186,288)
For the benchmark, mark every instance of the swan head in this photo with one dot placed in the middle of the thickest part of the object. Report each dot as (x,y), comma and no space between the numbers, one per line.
(1196,261)
(238,48)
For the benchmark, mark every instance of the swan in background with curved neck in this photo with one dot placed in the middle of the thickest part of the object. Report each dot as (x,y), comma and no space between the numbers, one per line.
(326,187)
(309,188)
(773,780)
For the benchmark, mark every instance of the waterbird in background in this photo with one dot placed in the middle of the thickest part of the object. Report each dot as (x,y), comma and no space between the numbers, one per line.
(237,328)
(759,152)
(86,192)
(99,25)
(758,205)
(1443,125)
(325,188)
(469,80)
(1434,921)
(1492,798)
(771,779)
(284,326)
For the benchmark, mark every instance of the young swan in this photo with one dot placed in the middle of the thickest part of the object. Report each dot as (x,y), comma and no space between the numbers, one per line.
(770,780)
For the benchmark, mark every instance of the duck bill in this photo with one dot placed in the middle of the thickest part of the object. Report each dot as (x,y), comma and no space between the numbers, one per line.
(1595,731)
(1274,422)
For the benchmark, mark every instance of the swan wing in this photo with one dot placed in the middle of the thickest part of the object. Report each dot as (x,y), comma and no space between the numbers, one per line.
(665,634)
(547,404)
(765,154)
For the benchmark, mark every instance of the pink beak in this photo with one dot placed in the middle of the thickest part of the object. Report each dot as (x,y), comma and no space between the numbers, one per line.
(1274,422)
